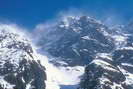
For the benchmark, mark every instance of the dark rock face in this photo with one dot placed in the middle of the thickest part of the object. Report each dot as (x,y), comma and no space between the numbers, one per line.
(124,58)
(102,73)
(123,55)
(77,40)
(28,72)
(110,72)
(18,67)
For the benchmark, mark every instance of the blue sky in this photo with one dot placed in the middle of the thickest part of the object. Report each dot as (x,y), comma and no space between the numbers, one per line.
(29,13)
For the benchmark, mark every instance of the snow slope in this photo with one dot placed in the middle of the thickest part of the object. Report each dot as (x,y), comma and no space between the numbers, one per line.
(58,77)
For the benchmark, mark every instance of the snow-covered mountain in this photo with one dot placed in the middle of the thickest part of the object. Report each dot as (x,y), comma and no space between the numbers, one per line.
(76,40)
(74,53)
(83,41)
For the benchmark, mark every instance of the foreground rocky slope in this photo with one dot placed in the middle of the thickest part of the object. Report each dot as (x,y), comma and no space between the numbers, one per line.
(113,71)
(102,73)
(19,68)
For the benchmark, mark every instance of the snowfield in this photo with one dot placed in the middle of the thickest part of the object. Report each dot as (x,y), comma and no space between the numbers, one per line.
(61,77)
